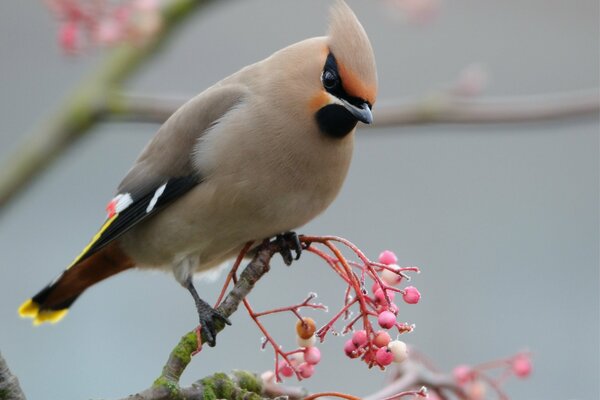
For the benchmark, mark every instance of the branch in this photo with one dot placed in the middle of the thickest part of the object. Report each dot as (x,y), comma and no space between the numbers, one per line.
(166,386)
(411,375)
(9,384)
(86,105)
(443,108)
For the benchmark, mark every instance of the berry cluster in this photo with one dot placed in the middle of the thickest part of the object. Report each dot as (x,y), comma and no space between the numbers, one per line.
(305,361)
(475,379)
(104,23)
(376,347)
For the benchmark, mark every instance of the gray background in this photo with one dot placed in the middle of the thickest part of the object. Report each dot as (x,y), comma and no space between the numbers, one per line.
(503,219)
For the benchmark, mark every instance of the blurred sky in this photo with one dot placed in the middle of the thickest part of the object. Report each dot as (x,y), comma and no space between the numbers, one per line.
(503,219)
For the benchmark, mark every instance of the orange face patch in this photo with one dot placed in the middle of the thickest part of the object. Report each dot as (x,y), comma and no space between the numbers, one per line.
(355,87)
(319,101)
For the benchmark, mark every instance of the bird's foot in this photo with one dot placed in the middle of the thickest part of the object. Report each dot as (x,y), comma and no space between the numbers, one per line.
(209,317)
(288,242)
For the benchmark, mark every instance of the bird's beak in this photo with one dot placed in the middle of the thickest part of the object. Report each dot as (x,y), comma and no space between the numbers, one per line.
(361,112)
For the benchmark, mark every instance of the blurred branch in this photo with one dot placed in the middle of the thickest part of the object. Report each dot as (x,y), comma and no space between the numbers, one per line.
(98,98)
(446,109)
(442,108)
(9,384)
(411,375)
(82,109)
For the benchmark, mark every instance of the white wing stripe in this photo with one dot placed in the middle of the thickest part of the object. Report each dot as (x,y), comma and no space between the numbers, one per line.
(157,194)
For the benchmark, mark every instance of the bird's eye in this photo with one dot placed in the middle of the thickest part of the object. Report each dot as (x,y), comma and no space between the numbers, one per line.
(330,79)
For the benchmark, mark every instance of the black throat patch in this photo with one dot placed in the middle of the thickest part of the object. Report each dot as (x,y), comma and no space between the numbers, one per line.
(334,119)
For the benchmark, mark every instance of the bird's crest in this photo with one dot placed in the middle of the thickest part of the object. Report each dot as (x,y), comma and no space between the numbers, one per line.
(349,43)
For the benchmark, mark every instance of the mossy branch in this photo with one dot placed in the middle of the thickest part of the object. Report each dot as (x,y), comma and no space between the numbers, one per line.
(88,103)
(242,385)
(9,384)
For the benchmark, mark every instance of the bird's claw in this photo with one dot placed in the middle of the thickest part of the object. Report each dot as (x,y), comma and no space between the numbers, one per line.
(208,316)
(289,241)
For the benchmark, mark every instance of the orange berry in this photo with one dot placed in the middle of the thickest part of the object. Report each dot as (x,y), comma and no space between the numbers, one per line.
(306,328)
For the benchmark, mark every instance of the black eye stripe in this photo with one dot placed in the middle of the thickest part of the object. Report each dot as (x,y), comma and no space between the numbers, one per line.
(337,88)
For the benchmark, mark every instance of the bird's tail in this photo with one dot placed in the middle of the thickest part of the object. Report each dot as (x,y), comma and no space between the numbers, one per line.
(52,303)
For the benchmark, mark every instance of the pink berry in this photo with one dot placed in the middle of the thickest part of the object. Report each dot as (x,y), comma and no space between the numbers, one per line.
(388,257)
(384,356)
(386,319)
(312,355)
(391,277)
(380,296)
(382,338)
(306,370)
(286,370)
(360,338)
(411,295)
(521,366)
(350,349)
(462,374)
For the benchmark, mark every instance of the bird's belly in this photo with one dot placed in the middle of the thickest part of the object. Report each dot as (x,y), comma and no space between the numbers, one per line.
(216,219)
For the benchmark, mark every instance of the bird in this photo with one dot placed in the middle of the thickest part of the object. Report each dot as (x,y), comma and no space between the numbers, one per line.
(255,156)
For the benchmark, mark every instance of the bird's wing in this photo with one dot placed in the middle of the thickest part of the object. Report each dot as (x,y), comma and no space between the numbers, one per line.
(164,171)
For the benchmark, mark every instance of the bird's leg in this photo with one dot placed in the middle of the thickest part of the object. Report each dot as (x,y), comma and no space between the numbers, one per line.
(289,241)
(207,315)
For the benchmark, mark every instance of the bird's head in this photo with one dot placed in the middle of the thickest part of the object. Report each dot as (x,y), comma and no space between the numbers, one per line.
(348,84)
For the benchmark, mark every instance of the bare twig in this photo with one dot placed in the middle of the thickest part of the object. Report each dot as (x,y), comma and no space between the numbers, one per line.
(442,108)
(9,384)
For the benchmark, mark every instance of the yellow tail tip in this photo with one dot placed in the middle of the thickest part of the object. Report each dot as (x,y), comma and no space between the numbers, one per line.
(31,309)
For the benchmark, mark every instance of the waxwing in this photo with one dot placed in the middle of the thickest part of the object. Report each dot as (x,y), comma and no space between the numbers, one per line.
(258,154)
